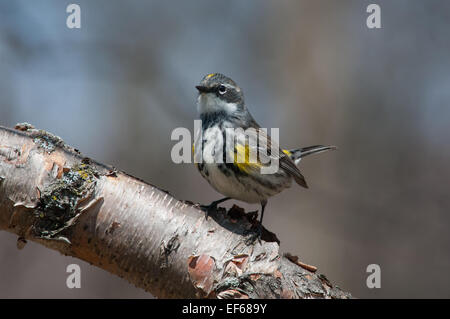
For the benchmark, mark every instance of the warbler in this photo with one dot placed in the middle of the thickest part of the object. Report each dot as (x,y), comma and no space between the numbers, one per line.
(221,107)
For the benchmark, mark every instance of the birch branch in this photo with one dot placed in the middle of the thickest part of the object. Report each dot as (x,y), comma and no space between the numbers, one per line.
(52,195)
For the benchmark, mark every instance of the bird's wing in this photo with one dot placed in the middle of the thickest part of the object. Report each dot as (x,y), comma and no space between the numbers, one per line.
(251,157)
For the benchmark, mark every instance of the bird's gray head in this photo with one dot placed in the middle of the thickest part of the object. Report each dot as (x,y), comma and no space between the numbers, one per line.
(218,93)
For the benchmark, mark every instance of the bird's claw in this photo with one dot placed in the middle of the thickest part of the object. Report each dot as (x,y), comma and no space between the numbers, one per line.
(208,208)
(256,235)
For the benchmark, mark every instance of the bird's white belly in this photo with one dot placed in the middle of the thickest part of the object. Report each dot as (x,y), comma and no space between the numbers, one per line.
(230,186)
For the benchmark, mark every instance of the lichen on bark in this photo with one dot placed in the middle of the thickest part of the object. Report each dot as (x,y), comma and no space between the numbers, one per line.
(57,208)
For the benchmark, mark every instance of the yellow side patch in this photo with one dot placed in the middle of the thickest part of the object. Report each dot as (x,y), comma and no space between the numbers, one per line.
(210,75)
(193,153)
(242,159)
(287,152)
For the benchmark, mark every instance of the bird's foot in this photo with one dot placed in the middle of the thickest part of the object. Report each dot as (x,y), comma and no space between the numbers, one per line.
(252,216)
(212,207)
(256,234)
(209,208)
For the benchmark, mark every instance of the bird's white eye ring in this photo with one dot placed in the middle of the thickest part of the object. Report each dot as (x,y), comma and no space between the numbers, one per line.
(222,89)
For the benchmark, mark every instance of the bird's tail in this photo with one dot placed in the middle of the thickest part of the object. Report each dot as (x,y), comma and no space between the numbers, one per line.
(298,153)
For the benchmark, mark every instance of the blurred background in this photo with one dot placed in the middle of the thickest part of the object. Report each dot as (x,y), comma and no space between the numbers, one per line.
(117,87)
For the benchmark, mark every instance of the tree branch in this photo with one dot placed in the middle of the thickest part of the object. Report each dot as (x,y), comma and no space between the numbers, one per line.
(51,194)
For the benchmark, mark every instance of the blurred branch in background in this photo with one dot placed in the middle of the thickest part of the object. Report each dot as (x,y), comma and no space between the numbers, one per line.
(51,194)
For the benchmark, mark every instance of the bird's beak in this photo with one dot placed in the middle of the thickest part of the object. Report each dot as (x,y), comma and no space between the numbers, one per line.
(202,89)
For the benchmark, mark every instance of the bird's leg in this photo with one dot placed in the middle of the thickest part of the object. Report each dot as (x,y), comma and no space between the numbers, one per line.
(212,206)
(263,206)
(258,233)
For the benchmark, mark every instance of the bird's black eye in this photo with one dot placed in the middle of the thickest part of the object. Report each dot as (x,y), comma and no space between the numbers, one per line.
(222,89)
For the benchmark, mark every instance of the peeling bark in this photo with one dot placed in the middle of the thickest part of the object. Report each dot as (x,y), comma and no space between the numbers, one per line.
(51,194)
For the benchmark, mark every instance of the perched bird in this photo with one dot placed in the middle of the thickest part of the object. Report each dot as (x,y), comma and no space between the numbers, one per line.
(221,107)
